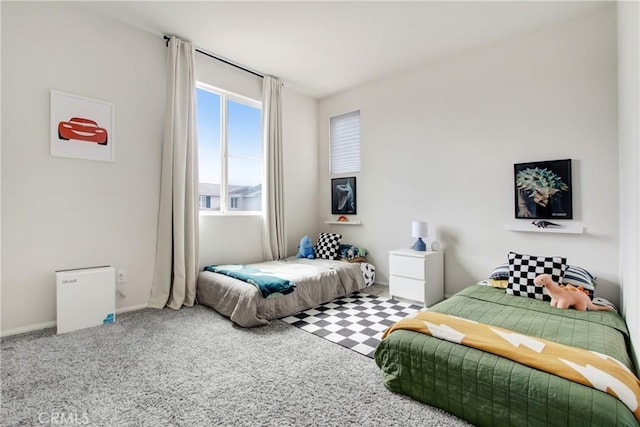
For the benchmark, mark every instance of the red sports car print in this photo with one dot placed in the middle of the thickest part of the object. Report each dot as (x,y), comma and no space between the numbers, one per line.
(82,130)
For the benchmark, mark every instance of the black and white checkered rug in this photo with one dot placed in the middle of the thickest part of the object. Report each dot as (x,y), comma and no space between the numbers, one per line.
(356,321)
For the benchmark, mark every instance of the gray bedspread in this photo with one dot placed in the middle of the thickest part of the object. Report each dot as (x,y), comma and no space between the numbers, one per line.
(317,281)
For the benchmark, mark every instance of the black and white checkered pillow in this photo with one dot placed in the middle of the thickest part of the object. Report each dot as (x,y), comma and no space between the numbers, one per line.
(523,269)
(328,245)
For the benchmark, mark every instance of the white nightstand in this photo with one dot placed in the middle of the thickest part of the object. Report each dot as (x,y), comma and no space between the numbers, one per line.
(417,276)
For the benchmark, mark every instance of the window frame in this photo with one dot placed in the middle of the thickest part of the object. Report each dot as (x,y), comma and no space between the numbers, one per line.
(338,117)
(225,203)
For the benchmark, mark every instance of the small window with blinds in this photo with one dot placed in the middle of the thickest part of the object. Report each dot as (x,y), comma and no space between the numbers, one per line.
(345,143)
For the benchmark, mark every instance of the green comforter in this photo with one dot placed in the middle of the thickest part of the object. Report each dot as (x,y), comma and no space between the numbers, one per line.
(488,390)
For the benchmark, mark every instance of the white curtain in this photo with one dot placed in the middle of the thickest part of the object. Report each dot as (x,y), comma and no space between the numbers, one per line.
(174,278)
(273,238)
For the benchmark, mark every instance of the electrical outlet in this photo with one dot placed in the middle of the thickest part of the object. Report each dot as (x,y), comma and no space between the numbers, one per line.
(121,276)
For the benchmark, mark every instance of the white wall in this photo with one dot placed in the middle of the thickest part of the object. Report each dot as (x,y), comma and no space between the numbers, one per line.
(60,213)
(300,157)
(439,144)
(629,112)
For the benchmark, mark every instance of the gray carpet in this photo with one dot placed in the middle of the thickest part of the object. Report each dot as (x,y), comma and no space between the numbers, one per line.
(193,367)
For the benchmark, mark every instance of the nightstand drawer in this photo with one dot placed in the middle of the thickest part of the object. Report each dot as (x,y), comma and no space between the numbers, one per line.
(406,266)
(406,288)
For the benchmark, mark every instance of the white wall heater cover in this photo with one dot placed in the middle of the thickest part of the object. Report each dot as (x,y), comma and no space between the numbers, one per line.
(85,297)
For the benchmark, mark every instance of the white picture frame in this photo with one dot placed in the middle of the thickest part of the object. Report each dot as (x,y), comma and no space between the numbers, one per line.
(82,128)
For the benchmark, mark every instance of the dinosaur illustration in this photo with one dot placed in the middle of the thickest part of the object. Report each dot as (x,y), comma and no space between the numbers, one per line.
(346,197)
(540,185)
(567,296)
(544,224)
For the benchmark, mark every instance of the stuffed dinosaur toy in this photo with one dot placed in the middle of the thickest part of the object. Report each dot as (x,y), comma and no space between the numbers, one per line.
(305,248)
(567,296)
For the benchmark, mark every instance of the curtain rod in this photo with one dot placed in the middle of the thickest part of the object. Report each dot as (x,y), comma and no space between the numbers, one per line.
(210,55)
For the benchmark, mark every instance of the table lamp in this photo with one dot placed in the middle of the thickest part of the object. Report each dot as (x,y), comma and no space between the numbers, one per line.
(419,229)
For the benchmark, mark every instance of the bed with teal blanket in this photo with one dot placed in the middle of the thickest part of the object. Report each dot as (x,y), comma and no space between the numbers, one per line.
(251,295)
(489,390)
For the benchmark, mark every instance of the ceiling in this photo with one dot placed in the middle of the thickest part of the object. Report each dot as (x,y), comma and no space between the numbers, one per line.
(321,48)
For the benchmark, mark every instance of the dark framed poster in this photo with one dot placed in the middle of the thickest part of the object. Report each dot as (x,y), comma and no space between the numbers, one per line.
(343,196)
(543,189)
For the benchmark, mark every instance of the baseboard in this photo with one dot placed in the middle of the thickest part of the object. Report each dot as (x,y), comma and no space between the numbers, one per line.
(30,328)
(52,324)
(131,308)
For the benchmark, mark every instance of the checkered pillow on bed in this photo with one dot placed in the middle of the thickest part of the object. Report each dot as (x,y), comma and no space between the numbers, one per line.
(328,245)
(523,269)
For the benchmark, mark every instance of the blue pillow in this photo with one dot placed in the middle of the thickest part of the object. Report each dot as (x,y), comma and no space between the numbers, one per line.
(348,251)
(501,272)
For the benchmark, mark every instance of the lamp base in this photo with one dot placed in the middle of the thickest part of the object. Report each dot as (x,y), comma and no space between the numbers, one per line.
(419,245)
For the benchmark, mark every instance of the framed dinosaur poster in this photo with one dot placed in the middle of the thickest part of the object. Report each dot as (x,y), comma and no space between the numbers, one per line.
(542,190)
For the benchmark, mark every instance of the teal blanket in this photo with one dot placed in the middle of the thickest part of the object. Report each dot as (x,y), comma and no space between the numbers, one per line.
(266,284)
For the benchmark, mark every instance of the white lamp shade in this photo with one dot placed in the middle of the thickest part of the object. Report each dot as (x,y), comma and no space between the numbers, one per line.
(419,229)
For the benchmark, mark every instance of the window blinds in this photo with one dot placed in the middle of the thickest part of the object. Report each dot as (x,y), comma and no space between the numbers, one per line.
(345,143)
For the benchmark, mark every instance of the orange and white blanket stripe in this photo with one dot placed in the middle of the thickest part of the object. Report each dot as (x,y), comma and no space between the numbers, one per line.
(586,367)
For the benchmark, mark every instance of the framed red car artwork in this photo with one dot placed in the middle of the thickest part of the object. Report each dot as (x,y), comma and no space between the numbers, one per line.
(81,128)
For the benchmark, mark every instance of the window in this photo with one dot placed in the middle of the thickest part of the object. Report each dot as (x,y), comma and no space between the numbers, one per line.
(345,143)
(205,202)
(230,157)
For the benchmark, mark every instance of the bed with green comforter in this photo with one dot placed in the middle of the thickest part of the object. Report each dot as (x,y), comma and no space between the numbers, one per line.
(488,390)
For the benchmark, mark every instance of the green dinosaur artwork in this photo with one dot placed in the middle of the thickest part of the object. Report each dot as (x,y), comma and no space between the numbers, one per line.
(539,193)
